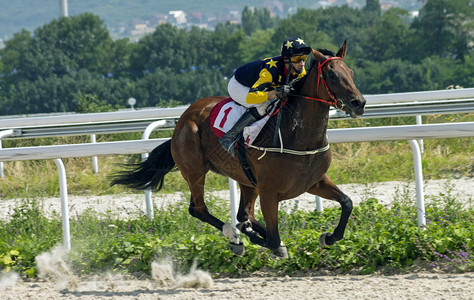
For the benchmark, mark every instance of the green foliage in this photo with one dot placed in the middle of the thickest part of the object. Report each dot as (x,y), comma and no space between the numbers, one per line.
(372,8)
(258,45)
(46,70)
(376,237)
(387,38)
(91,103)
(26,235)
(443,22)
(255,19)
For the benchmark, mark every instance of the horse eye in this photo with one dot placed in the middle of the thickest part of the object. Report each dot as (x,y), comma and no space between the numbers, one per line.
(332,75)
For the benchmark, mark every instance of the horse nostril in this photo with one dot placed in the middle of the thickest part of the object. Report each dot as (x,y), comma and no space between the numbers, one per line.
(356,103)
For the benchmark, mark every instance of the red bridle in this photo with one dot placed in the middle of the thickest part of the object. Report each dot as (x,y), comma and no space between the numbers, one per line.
(334,102)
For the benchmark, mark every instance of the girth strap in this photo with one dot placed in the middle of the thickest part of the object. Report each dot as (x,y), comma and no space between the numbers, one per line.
(288,151)
(243,160)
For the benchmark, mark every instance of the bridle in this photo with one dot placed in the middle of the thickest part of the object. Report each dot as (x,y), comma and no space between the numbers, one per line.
(334,101)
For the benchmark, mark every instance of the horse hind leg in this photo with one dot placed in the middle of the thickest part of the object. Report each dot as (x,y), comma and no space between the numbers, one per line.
(198,209)
(327,189)
(190,160)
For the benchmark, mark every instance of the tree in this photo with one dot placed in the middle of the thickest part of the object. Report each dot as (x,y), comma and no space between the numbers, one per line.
(11,57)
(43,72)
(249,21)
(254,19)
(165,47)
(342,23)
(304,24)
(372,8)
(395,76)
(463,71)
(388,38)
(186,87)
(444,28)
(88,103)
(258,46)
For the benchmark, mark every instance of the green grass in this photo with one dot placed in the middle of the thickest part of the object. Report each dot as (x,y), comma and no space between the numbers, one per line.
(377,237)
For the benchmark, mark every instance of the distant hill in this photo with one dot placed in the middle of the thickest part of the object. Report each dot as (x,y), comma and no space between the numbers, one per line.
(28,14)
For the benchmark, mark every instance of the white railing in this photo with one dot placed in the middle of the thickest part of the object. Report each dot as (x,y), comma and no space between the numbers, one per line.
(110,121)
(142,114)
(420,96)
(408,132)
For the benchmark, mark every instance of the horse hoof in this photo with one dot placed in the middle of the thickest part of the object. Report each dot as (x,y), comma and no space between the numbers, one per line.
(237,249)
(281,252)
(322,240)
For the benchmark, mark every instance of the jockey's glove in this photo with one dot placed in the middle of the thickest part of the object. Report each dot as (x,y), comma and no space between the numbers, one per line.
(274,99)
(284,90)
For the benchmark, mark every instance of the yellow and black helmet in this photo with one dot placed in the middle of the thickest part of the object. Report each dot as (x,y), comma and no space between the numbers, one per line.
(293,46)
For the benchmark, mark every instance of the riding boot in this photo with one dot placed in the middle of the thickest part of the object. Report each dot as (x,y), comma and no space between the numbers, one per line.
(229,139)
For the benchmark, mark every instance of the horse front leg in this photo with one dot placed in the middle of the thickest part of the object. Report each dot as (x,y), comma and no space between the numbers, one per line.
(269,206)
(327,189)
(246,214)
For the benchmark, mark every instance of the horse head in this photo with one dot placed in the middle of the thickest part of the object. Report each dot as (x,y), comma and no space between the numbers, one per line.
(335,84)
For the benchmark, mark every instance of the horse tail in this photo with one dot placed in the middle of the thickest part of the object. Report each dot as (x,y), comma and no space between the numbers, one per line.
(149,173)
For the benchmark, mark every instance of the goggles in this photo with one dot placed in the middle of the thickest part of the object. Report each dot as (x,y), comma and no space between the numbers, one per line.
(298,58)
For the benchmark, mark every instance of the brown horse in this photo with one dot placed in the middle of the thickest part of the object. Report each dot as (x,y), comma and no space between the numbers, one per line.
(195,149)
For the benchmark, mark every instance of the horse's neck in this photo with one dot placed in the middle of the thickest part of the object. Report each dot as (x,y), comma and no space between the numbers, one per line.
(307,121)
(305,125)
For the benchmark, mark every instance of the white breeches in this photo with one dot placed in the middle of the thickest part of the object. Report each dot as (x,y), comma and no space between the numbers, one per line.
(239,92)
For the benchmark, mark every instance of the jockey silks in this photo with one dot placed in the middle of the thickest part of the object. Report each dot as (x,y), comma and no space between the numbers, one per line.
(262,76)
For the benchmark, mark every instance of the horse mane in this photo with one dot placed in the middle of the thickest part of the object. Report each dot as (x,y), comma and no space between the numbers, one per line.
(298,84)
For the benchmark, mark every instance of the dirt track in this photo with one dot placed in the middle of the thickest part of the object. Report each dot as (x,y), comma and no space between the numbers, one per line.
(408,286)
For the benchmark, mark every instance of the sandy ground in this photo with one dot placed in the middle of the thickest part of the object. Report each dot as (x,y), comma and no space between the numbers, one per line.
(58,283)
(408,286)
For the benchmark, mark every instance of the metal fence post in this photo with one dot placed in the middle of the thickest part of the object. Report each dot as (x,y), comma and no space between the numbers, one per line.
(3,133)
(146,135)
(95,163)
(319,204)
(64,203)
(234,202)
(420,201)
(419,121)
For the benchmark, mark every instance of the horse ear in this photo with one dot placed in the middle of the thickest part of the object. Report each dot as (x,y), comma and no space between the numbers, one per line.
(317,55)
(342,52)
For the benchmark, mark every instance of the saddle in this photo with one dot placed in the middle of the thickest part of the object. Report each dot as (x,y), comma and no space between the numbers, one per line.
(225,114)
(223,117)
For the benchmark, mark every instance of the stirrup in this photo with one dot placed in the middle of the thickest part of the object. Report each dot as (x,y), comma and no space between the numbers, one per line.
(224,141)
(230,138)
(231,148)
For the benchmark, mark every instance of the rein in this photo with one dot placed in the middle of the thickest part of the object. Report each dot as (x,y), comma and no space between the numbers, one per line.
(334,102)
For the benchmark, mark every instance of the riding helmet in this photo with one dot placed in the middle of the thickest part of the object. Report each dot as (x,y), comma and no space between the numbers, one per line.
(294,46)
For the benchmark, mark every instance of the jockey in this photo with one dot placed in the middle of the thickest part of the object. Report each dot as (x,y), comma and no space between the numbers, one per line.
(255,85)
